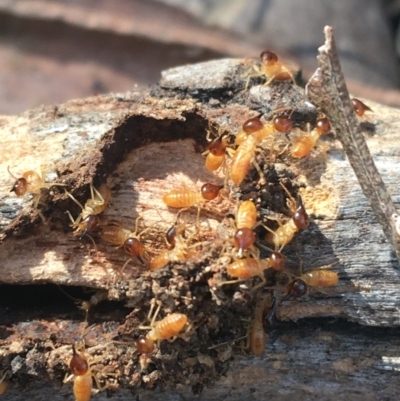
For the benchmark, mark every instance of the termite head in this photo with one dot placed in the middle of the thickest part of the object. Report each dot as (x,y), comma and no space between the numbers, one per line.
(134,247)
(323,126)
(278,261)
(78,364)
(20,187)
(88,224)
(252,125)
(283,123)
(359,107)
(296,289)
(210,191)
(244,239)
(268,58)
(300,217)
(217,146)
(144,345)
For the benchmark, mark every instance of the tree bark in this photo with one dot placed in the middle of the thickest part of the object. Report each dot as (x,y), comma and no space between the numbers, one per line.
(144,143)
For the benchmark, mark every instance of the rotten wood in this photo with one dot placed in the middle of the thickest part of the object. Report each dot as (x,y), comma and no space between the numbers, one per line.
(143,143)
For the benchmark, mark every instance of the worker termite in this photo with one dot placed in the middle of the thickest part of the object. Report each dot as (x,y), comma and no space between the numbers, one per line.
(285,232)
(359,107)
(185,198)
(130,241)
(88,219)
(305,141)
(247,268)
(246,219)
(253,132)
(3,384)
(31,182)
(216,153)
(271,68)
(312,278)
(164,329)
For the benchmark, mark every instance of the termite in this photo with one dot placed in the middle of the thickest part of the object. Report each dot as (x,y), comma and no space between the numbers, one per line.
(246,219)
(83,376)
(305,142)
(359,107)
(185,198)
(178,253)
(285,232)
(216,153)
(88,219)
(248,268)
(254,131)
(31,182)
(164,329)
(271,68)
(312,278)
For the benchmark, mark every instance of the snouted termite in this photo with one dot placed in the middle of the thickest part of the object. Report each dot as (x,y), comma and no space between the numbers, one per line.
(83,375)
(304,142)
(185,198)
(359,107)
(248,268)
(31,182)
(164,329)
(313,278)
(88,219)
(286,231)
(271,68)
(252,133)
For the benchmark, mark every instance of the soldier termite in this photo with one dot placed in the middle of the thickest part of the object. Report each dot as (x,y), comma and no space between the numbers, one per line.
(359,107)
(31,182)
(312,278)
(271,68)
(305,141)
(285,232)
(88,219)
(248,268)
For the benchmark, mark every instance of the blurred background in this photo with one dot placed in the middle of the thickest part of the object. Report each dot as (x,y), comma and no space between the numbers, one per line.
(52,50)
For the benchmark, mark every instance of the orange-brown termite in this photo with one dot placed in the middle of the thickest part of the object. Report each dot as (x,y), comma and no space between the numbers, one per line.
(164,329)
(216,153)
(88,219)
(305,142)
(271,68)
(83,376)
(312,278)
(359,107)
(31,182)
(286,231)
(253,132)
(248,268)
(185,198)
(246,219)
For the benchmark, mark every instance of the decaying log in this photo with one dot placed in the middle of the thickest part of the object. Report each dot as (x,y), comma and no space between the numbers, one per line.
(143,143)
